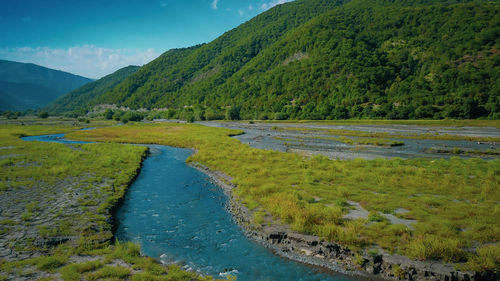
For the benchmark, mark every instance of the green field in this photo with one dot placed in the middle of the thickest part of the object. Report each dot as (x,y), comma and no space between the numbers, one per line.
(453,203)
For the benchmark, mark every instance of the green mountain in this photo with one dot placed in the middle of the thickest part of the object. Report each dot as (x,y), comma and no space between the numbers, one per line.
(21,96)
(319,59)
(28,86)
(77,100)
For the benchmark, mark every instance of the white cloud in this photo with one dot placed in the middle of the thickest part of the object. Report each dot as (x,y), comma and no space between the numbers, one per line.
(240,12)
(25,49)
(214,4)
(87,60)
(270,4)
(250,7)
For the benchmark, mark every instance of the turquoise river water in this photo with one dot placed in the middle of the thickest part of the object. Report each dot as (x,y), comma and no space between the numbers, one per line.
(178,216)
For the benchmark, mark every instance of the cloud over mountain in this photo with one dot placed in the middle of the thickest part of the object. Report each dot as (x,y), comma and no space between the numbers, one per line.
(87,60)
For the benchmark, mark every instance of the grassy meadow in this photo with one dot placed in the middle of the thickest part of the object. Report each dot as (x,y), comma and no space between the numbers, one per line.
(57,202)
(453,204)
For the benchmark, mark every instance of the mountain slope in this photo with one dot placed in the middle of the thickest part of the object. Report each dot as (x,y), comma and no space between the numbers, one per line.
(8,102)
(379,61)
(157,83)
(32,85)
(314,59)
(22,96)
(78,99)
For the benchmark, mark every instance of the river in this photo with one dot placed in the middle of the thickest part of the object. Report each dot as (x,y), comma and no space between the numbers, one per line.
(178,216)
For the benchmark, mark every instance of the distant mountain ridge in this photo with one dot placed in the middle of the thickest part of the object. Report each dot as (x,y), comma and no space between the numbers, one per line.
(30,86)
(320,59)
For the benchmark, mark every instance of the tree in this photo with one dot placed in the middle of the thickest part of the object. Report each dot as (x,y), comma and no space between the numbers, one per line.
(233,113)
(43,114)
(12,115)
(131,116)
(108,114)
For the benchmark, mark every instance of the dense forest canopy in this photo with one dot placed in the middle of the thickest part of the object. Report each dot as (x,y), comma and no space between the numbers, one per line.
(78,99)
(319,59)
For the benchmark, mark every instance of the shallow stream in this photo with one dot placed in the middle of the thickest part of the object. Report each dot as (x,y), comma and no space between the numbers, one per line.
(178,216)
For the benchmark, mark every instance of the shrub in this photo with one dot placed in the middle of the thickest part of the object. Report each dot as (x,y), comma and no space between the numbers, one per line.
(73,272)
(487,258)
(108,114)
(8,222)
(26,216)
(12,115)
(131,116)
(43,114)
(280,116)
(427,247)
(127,251)
(375,216)
(50,263)
(69,273)
(233,113)
(145,276)
(117,115)
(263,116)
(398,271)
(115,272)
(359,260)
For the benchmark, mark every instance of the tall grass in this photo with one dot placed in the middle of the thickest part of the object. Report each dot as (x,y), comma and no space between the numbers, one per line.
(454,202)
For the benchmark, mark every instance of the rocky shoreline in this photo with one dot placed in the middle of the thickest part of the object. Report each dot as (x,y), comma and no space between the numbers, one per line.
(310,249)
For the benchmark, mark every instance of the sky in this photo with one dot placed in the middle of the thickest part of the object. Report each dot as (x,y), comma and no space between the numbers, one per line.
(94,38)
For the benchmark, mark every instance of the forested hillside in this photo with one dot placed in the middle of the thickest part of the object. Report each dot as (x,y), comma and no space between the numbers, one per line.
(318,59)
(76,100)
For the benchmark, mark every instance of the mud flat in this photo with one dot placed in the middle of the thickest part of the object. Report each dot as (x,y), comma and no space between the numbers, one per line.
(419,141)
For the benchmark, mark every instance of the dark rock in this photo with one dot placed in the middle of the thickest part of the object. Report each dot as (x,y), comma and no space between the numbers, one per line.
(277,237)
(333,249)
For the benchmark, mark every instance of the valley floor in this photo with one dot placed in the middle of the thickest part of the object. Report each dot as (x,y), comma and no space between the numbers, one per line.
(426,209)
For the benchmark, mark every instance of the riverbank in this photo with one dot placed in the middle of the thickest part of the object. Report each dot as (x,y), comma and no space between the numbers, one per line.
(312,250)
(410,207)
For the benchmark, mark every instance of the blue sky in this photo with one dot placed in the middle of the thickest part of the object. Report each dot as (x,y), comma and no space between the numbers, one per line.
(94,38)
